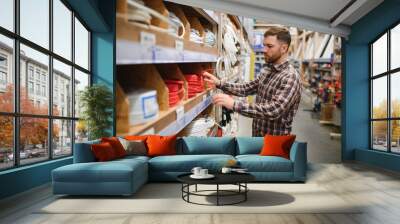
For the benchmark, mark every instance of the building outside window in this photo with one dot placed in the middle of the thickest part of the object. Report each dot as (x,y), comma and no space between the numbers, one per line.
(3,72)
(43,90)
(30,72)
(38,89)
(3,78)
(37,75)
(44,77)
(30,87)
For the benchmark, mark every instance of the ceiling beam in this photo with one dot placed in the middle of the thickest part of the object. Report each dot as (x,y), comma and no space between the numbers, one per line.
(346,12)
(269,15)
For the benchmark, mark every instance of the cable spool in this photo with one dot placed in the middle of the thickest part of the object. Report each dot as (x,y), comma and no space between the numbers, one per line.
(144,11)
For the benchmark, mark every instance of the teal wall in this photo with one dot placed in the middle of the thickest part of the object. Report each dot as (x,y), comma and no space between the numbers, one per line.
(99,16)
(103,53)
(24,178)
(356,85)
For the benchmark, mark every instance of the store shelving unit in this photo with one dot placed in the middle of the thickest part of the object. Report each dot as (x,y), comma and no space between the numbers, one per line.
(233,72)
(168,122)
(146,55)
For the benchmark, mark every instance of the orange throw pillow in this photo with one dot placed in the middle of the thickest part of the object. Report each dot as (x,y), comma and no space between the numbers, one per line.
(136,137)
(277,145)
(103,152)
(116,145)
(161,145)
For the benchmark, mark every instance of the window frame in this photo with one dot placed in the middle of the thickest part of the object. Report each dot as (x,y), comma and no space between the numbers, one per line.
(16,114)
(388,74)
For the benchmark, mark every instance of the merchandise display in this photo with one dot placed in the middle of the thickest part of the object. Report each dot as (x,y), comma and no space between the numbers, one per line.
(181,34)
(143,106)
(195,36)
(176,28)
(230,43)
(209,38)
(138,15)
(195,84)
(199,127)
(175,91)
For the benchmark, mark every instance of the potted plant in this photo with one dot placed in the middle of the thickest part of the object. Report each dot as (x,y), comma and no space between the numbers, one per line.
(96,103)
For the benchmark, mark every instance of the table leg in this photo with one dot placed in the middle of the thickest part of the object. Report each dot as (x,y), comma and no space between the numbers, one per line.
(217,194)
(245,193)
(188,190)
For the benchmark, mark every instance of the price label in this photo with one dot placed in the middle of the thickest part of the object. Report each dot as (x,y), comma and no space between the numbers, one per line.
(180,112)
(204,97)
(179,45)
(147,39)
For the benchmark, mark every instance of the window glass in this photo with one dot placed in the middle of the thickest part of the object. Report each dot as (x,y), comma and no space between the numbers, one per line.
(62,92)
(62,138)
(379,56)
(62,29)
(33,140)
(6,74)
(81,82)
(395,95)
(6,142)
(395,47)
(39,61)
(379,135)
(7,14)
(379,98)
(81,45)
(34,21)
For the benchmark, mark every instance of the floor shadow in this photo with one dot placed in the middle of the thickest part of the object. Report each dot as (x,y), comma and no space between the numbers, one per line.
(255,198)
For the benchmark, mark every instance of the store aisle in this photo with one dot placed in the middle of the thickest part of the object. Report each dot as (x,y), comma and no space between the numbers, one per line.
(321,148)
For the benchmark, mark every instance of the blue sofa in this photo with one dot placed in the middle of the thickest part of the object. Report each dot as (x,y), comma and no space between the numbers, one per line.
(125,176)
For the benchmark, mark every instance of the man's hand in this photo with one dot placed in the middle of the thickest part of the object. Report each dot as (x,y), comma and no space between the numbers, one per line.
(223,100)
(211,80)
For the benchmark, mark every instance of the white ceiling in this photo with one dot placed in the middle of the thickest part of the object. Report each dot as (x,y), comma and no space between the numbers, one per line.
(314,15)
(321,9)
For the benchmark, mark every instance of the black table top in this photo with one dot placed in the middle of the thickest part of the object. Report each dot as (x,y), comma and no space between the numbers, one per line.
(220,178)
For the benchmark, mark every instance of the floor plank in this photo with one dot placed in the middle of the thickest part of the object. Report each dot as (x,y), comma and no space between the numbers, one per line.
(377,190)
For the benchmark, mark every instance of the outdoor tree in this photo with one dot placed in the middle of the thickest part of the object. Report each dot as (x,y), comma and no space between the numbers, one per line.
(380,127)
(33,131)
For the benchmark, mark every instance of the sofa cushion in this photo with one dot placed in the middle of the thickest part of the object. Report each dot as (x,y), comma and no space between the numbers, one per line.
(134,157)
(249,145)
(207,145)
(136,137)
(112,171)
(134,147)
(277,145)
(116,145)
(185,163)
(83,152)
(103,152)
(257,163)
(161,145)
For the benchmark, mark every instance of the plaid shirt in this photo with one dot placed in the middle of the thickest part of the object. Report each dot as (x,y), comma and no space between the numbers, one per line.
(278,92)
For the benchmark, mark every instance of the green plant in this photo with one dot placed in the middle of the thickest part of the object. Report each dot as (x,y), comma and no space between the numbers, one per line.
(96,103)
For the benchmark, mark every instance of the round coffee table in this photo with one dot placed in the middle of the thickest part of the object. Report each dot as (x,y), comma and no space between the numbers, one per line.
(238,179)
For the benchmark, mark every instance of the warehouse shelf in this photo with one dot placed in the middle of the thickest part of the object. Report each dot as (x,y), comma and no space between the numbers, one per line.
(168,122)
(162,47)
(318,60)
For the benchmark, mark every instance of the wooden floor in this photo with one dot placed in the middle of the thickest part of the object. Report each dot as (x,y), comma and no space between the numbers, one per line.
(378,189)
